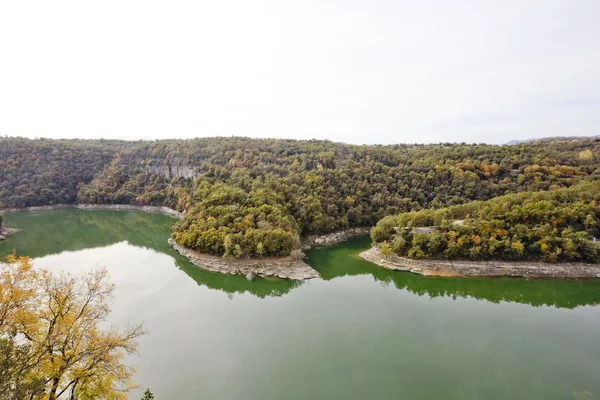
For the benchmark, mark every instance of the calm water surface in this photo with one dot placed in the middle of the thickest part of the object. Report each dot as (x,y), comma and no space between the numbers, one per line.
(361,332)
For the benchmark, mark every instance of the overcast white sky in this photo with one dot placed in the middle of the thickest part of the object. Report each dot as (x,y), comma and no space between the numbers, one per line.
(370,71)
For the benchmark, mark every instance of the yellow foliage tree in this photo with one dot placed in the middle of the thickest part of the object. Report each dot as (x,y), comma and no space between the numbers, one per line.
(586,154)
(18,294)
(56,316)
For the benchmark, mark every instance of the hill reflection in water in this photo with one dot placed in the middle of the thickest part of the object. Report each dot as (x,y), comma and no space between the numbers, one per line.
(52,232)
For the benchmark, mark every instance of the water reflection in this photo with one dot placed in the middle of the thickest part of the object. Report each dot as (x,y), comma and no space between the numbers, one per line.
(53,232)
(344,261)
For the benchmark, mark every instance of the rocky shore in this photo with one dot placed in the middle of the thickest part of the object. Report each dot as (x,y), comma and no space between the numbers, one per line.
(333,238)
(163,210)
(4,232)
(482,268)
(281,267)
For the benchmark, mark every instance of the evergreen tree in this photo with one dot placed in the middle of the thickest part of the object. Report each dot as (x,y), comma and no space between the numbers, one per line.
(148,395)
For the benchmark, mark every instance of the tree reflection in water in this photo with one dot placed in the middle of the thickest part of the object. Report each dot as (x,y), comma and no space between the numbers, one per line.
(53,232)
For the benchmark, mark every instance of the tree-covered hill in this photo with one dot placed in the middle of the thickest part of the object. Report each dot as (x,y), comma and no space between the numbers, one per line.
(555,225)
(310,186)
(44,172)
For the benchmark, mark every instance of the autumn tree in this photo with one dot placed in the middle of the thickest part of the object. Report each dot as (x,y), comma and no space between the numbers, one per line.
(20,377)
(586,154)
(49,322)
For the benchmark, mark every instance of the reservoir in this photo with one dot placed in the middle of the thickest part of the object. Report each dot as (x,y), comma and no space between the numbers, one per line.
(360,332)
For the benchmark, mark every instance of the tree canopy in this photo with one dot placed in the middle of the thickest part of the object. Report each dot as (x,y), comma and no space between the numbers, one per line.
(312,187)
(556,225)
(51,346)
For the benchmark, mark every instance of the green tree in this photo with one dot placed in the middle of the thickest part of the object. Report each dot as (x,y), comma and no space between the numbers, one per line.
(590,222)
(384,229)
(228,246)
(148,395)
(552,226)
(399,245)
(385,249)
(260,249)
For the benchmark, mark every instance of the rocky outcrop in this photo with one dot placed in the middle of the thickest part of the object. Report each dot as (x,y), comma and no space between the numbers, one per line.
(333,238)
(4,232)
(482,268)
(163,210)
(423,229)
(171,171)
(282,267)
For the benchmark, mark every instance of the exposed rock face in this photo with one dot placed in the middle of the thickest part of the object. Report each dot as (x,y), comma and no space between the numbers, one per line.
(171,171)
(164,210)
(423,229)
(482,268)
(282,267)
(336,237)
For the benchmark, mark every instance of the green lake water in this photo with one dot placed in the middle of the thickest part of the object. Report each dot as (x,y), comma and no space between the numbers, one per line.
(361,332)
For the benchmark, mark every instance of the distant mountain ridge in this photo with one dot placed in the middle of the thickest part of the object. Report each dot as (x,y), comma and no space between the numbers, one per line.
(553,138)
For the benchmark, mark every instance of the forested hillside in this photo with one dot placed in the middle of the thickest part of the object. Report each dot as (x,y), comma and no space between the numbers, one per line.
(556,225)
(43,172)
(253,197)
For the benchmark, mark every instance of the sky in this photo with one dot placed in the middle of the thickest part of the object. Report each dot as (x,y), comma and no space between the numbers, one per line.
(364,72)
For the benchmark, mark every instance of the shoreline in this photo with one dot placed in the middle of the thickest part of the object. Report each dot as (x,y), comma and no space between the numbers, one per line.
(461,268)
(324,240)
(281,267)
(91,207)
